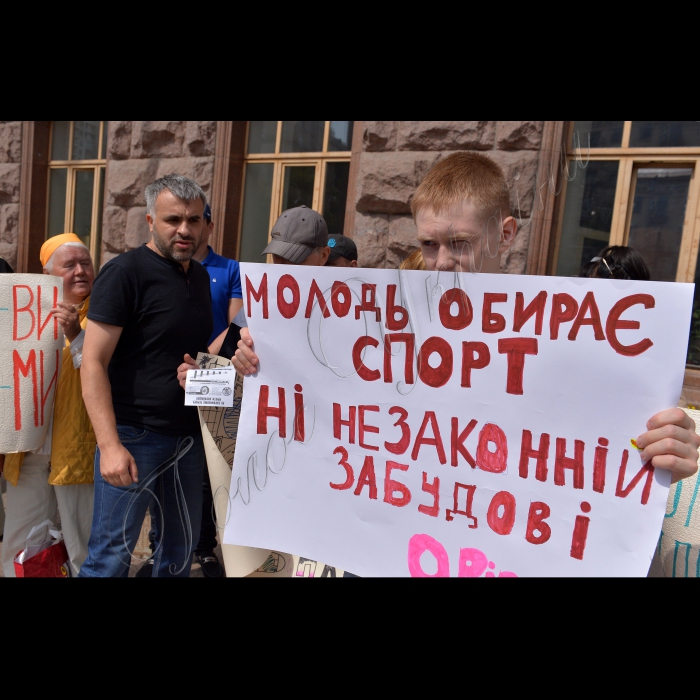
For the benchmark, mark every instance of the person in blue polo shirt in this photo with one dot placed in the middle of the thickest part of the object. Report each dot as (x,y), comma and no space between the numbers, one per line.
(224,279)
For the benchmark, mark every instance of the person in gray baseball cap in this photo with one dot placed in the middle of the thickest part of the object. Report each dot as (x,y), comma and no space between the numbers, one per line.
(299,237)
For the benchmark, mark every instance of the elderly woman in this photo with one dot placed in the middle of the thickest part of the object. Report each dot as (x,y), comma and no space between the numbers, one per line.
(55,481)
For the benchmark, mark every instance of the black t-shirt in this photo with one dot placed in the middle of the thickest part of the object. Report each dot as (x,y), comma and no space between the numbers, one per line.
(5,266)
(164,314)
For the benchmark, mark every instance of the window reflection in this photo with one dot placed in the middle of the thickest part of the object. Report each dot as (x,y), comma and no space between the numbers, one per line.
(255,227)
(658,214)
(590,198)
(298,186)
(602,134)
(86,140)
(302,137)
(340,137)
(664,134)
(262,137)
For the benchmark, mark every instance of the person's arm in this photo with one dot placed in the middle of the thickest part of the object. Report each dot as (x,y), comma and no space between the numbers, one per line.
(245,361)
(671,443)
(182,370)
(234,306)
(216,344)
(117,466)
(68,318)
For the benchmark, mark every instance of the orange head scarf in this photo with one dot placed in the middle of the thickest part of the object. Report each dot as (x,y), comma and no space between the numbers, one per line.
(52,244)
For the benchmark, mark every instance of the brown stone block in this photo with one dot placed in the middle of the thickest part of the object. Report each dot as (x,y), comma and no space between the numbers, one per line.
(388,181)
(119,140)
(9,223)
(201,170)
(113,230)
(446,136)
(514,260)
(514,136)
(402,240)
(136,230)
(157,139)
(10,142)
(370,236)
(379,136)
(520,169)
(107,255)
(10,174)
(200,138)
(8,252)
(127,181)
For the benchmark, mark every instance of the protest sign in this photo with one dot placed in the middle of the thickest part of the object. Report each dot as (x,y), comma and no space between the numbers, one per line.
(415,423)
(31,343)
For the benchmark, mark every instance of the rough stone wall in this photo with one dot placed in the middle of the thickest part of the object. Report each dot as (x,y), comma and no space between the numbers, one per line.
(397,155)
(10,175)
(139,152)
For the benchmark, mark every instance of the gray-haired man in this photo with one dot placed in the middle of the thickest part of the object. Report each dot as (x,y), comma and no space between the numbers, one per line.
(149,307)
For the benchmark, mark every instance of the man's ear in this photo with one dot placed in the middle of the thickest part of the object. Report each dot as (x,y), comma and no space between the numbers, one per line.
(353,263)
(324,256)
(510,228)
(149,219)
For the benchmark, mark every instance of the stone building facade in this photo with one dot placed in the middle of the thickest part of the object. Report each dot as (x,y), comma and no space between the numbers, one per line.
(387,160)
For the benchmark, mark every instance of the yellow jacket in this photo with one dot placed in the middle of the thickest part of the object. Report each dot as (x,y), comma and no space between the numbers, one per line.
(73,438)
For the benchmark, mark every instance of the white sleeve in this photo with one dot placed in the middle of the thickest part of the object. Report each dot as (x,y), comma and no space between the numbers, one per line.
(76,349)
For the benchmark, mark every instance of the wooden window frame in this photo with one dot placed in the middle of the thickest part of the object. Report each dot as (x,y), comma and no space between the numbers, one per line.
(320,159)
(98,167)
(630,159)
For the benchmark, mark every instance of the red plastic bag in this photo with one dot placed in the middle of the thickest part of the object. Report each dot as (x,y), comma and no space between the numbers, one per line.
(45,554)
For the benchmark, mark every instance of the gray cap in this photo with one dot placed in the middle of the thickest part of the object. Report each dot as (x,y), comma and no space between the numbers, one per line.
(297,233)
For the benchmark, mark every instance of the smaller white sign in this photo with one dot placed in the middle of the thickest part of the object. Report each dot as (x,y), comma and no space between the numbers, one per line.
(210,387)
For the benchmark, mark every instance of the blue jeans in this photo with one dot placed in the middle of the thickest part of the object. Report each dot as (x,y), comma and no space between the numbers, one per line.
(170,475)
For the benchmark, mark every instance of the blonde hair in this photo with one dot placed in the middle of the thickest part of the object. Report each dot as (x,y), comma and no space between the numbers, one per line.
(413,262)
(463,176)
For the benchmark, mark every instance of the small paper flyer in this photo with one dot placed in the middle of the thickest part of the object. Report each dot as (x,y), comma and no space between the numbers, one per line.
(210,387)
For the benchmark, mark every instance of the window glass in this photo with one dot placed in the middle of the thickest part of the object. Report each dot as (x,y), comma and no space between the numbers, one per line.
(302,137)
(262,137)
(335,196)
(86,140)
(664,134)
(255,227)
(298,186)
(60,139)
(588,212)
(602,134)
(658,215)
(57,201)
(694,340)
(340,136)
(82,213)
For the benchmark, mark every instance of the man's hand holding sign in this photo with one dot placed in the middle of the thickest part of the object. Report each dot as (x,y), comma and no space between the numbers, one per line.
(444,422)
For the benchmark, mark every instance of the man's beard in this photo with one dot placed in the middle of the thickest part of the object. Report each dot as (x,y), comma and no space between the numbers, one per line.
(169,251)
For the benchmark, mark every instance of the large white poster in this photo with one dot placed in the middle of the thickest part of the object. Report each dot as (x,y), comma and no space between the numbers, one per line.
(418,424)
(31,342)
